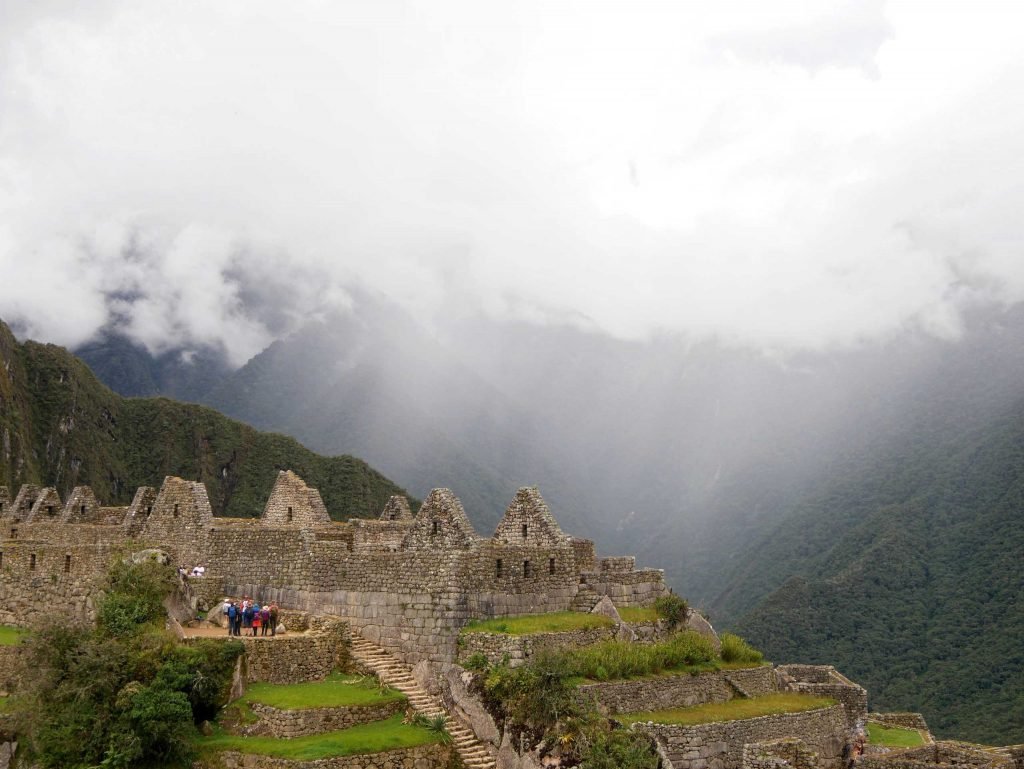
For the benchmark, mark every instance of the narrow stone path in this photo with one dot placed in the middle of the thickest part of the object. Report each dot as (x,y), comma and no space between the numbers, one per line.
(397,675)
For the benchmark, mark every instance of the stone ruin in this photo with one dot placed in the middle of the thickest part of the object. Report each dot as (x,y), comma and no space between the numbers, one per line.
(406,581)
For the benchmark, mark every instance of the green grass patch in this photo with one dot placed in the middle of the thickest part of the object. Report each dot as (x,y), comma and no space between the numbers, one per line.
(528,624)
(335,691)
(10,635)
(5,704)
(365,738)
(621,660)
(639,614)
(733,710)
(894,736)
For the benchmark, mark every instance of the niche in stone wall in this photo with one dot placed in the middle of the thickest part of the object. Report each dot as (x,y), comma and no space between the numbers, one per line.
(497,568)
(551,565)
(67,564)
(526,569)
(32,562)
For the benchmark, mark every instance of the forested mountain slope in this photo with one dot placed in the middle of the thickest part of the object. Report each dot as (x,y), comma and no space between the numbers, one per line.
(59,426)
(909,577)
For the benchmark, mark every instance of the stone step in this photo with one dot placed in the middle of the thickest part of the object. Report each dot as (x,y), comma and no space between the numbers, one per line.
(473,753)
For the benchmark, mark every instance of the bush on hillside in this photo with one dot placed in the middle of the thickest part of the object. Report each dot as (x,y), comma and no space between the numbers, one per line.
(124,694)
(611,660)
(735,649)
(672,609)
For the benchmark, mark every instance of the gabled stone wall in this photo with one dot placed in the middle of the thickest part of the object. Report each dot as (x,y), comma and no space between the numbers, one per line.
(293,503)
(47,506)
(81,507)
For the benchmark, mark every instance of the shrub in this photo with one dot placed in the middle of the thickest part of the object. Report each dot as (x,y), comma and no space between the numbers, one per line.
(612,660)
(134,597)
(672,609)
(124,694)
(477,662)
(735,649)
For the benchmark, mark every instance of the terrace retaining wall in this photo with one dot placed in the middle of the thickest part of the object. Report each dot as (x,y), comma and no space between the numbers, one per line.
(275,722)
(720,745)
(420,757)
(678,691)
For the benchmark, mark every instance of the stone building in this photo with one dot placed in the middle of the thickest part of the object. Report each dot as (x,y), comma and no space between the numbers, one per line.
(408,582)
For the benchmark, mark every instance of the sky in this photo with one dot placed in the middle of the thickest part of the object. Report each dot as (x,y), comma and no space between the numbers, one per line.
(806,174)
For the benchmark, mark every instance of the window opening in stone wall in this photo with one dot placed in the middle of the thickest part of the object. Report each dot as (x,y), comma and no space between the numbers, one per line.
(14,533)
(551,565)
(525,529)
(67,564)
(32,562)
(83,510)
(526,568)
(149,510)
(175,511)
(289,515)
(433,529)
(1,507)
(49,509)
(1,559)
(497,568)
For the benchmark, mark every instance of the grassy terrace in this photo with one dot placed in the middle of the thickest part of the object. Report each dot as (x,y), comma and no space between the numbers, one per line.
(894,737)
(335,691)
(733,710)
(638,614)
(10,635)
(365,738)
(539,623)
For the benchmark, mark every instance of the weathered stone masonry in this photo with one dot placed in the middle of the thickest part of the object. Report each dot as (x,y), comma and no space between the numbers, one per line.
(406,582)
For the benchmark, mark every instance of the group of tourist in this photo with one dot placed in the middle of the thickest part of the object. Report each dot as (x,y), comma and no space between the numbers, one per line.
(196,571)
(250,616)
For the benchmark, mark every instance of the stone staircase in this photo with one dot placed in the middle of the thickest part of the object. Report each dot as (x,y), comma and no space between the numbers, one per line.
(394,673)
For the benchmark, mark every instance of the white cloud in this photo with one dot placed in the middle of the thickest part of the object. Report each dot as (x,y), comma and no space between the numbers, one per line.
(798,174)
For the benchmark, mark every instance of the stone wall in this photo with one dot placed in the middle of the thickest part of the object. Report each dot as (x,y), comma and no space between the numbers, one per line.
(753,682)
(676,691)
(630,588)
(519,648)
(790,753)
(42,583)
(293,503)
(294,658)
(720,745)
(826,681)
(949,754)
(900,720)
(274,722)
(422,757)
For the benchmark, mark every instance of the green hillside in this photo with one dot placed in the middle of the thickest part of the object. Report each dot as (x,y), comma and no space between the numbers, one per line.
(60,426)
(909,577)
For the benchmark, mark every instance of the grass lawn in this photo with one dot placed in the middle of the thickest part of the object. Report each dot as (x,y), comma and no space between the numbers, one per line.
(733,710)
(10,635)
(4,704)
(365,738)
(539,623)
(893,736)
(335,691)
(639,614)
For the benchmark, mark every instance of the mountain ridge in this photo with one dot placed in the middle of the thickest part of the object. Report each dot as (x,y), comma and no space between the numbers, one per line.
(61,427)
